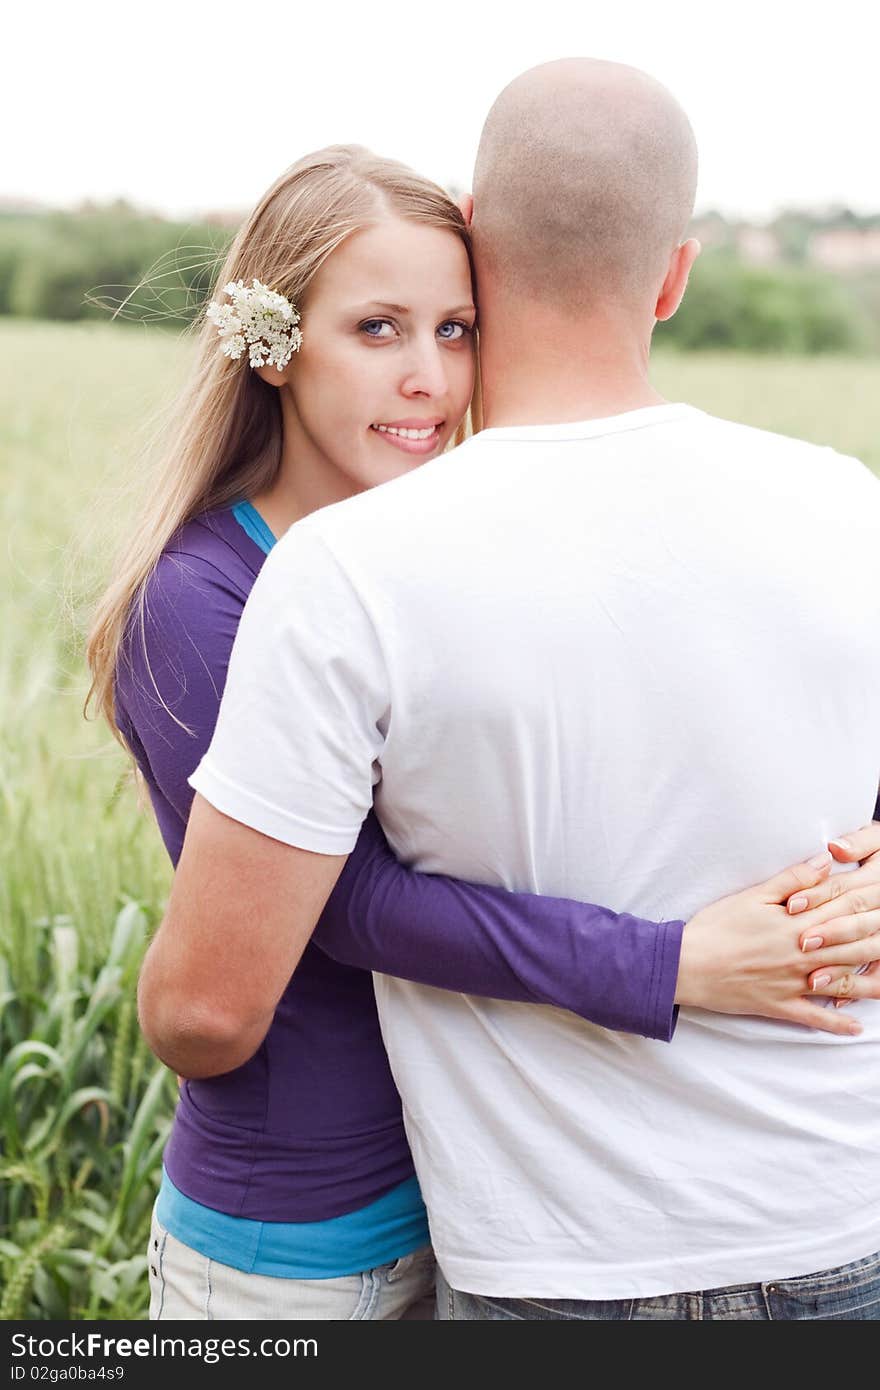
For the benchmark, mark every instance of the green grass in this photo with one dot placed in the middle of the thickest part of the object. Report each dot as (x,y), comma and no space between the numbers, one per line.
(84,1107)
(74,843)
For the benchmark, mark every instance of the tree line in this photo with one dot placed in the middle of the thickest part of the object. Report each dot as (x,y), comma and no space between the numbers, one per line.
(105,261)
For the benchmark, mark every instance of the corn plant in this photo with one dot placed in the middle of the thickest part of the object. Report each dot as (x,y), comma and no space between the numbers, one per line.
(85,1111)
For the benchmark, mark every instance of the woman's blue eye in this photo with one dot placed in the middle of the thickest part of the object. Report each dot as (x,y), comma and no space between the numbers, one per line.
(458,330)
(373,328)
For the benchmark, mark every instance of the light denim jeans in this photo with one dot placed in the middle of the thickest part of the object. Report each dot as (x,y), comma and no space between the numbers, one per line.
(848,1294)
(188,1286)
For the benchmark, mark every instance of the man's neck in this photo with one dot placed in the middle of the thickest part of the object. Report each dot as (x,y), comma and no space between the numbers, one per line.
(540,368)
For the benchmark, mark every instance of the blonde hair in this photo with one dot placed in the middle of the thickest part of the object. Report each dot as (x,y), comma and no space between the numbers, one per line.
(224,440)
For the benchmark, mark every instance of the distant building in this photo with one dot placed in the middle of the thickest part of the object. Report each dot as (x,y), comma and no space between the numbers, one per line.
(845,248)
(758,245)
(20,206)
(711,229)
(838,240)
(755,245)
(223,217)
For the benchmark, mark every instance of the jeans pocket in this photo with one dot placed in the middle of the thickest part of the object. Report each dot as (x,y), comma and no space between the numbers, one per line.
(850,1293)
(411,1263)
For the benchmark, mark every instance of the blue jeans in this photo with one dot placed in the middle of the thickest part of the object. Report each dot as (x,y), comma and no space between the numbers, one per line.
(848,1294)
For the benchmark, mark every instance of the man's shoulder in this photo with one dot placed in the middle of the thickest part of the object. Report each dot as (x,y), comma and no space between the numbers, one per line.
(765,452)
(775,441)
(401,501)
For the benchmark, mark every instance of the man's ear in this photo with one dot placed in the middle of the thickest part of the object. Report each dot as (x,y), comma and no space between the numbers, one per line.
(465,205)
(676,280)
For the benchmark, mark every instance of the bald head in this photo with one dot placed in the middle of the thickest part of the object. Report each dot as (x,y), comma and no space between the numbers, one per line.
(584,184)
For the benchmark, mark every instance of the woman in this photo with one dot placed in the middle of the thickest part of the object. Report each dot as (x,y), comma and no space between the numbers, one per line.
(288,1188)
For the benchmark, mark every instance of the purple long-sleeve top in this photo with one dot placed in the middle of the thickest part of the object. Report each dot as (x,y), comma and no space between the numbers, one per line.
(311,1126)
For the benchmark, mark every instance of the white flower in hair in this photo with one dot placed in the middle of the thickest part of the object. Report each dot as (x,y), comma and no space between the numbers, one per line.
(258,319)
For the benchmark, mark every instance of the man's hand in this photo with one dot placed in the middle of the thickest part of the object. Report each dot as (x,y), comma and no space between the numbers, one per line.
(241,911)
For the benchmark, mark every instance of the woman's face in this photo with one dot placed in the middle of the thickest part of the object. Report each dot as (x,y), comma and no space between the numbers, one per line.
(386,368)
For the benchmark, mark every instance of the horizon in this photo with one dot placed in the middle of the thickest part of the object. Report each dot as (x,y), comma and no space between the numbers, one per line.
(14,205)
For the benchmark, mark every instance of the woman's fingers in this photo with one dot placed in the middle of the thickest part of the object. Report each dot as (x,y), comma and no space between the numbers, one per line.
(856,844)
(872,969)
(825,1020)
(854,916)
(861,947)
(847,955)
(805,899)
(796,877)
(845,984)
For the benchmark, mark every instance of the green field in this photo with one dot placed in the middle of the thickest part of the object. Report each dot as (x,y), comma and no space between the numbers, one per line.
(83,873)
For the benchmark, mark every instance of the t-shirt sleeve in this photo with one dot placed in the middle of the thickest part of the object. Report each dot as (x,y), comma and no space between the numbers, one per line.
(303,718)
(170,676)
(610,968)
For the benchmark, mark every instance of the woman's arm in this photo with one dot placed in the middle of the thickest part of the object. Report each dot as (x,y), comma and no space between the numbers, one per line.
(613,969)
(610,968)
(744,954)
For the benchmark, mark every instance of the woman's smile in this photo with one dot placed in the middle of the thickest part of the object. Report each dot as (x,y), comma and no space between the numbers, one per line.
(412,436)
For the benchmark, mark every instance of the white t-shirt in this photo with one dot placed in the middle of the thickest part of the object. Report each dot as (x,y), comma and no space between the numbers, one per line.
(634,661)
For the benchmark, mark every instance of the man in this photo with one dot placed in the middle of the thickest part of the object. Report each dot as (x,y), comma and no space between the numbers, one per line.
(612,648)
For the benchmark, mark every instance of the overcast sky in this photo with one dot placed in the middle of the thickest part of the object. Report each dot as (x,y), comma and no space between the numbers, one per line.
(185,107)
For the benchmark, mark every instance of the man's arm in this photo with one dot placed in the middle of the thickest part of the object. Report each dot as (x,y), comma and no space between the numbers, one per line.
(283,790)
(241,911)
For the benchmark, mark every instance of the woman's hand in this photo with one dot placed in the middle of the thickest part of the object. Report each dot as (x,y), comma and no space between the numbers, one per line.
(745,954)
(840,911)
